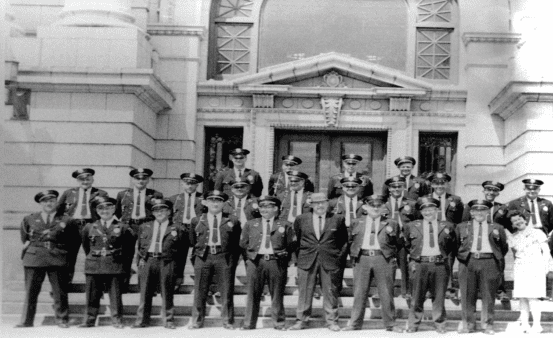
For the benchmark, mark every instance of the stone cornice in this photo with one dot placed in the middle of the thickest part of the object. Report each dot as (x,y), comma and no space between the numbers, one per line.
(141,82)
(161,29)
(490,37)
(517,93)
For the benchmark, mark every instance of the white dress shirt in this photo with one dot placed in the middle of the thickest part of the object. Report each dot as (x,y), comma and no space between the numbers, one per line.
(142,206)
(262,249)
(318,233)
(77,214)
(367,237)
(242,214)
(538,218)
(158,228)
(210,219)
(347,204)
(426,249)
(187,198)
(443,205)
(486,247)
(299,199)
(46,217)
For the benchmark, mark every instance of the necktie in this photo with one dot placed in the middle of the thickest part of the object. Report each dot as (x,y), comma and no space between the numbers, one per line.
(268,235)
(396,208)
(294,203)
(188,207)
(431,234)
(83,204)
(215,236)
(371,236)
(137,207)
(158,237)
(104,226)
(351,210)
(238,208)
(320,226)
(534,219)
(48,220)
(479,243)
(239,173)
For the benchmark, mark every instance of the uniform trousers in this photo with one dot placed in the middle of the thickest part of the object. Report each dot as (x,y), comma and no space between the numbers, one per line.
(274,272)
(215,266)
(34,277)
(383,271)
(80,223)
(95,286)
(432,277)
(403,262)
(331,282)
(478,274)
(156,271)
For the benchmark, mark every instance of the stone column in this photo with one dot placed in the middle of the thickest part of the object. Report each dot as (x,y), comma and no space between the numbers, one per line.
(97,13)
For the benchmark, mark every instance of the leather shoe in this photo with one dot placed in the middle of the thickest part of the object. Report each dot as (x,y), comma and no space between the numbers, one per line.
(376,302)
(297,326)
(228,326)
(244,328)
(280,328)
(463,331)
(411,330)
(118,325)
(489,331)
(170,325)
(334,327)
(83,325)
(396,329)
(194,327)
(441,330)
(63,325)
(138,325)
(350,328)
(19,326)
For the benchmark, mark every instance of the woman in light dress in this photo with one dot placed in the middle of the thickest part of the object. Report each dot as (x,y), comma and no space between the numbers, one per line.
(531,253)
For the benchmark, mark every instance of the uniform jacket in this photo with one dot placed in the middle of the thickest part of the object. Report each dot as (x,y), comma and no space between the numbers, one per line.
(283,238)
(329,250)
(407,211)
(54,245)
(116,242)
(251,209)
(277,184)
(388,236)
(335,187)
(69,200)
(413,234)
(454,209)
(178,206)
(224,177)
(499,215)
(285,203)
(337,206)
(125,204)
(172,245)
(545,211)
(230,236)
(496,235)
(418,187)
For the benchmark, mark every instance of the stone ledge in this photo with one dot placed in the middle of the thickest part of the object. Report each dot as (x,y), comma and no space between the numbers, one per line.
(516,94)
(176,30)
(141,82)
(490,37)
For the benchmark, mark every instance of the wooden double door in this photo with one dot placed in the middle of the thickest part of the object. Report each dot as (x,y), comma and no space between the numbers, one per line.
(321,153)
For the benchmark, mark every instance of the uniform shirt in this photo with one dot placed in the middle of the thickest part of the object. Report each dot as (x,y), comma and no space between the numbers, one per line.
(318,232)
(367,237)
(187,198)
(77,214)
(242,214)
(262,249)
(407,178)
(443,205)
(158,228)
(237,172)
(210,219)
(141,207)
(426,249)
(486,247)
(393,202)
(286,179)
(346,174)
(47,217)
(107,223)
(347,205)
(536,208)
(299,199)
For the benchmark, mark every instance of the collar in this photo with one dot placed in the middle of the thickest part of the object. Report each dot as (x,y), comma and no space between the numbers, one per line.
(210,216)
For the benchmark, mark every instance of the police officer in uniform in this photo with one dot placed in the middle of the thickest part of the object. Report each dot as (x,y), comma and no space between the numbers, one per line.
(429,243)
(350,162)
(295,200)
(161,261)
(241,203)
(108,259)
(268,242)
(349,204)
(374,240)
(224,177)
(278,182)
(48,240)
(481,250)
(539,211)
(415,187)
(215,239)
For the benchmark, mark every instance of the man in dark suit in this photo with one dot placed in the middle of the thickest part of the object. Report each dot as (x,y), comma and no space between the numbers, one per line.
(323,242)
(160,263)
(415,187)
(278,182)
(108,260)
(215,239)
(481,250)
(401,209)
(539,211)
(268,242)
(374,241)
(77,204)
(224,177)
(49,240)
(348,204)
(350,162)
(296,199)
(241,203)
(429,242)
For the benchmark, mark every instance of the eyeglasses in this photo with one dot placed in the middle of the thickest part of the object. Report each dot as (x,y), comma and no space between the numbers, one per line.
(350,186)
(239,186)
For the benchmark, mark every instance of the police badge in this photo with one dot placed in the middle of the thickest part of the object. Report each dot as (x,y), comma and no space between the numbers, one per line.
(281,230)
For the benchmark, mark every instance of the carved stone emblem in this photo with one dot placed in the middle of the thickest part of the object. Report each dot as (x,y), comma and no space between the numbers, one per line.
(333,80)
(332,107)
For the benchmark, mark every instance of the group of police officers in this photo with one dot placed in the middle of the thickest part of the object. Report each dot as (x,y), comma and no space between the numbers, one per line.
(413,225)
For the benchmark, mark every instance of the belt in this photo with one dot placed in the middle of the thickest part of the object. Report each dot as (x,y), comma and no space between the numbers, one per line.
(481,255)
(46,244)
(215,249)
(371,253)
(103,252)
(156,255)
(429,259)
(267,257)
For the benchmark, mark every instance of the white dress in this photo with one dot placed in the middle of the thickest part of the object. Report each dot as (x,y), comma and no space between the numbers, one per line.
(529,268)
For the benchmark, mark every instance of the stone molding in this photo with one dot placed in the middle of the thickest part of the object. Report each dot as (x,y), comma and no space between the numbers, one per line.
(176,30)
(141,82)
(491,37)
(516,94)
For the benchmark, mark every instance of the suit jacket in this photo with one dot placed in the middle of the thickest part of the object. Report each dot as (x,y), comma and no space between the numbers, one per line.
(337,206)
(418,187)
(62,237)
(330,250)
(283,238)
(230,236)
(118,241)
(407,211)
(413,234)
(251,209)
(223,178)
(178,206)
(69,200)
(388,235)
(172,244)
(335,187)
(454,209)
(285,197)
(499,215)
(277,184)
(496,235)
(125,204)
(545,211)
